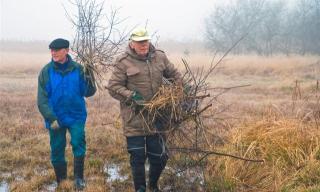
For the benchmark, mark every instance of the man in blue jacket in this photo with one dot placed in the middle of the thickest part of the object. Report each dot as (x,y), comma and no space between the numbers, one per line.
(62,86)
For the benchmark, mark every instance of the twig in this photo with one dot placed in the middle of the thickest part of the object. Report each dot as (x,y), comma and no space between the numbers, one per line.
(207,153)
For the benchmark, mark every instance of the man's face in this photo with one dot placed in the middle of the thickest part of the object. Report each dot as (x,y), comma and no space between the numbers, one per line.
(59,55)
(140,47)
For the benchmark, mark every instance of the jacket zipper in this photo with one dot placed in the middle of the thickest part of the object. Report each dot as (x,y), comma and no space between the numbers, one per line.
(150,75)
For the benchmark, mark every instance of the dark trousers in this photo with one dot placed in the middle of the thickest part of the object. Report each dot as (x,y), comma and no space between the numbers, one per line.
(142,147)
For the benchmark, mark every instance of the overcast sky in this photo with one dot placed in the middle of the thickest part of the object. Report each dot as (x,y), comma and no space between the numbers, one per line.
(46,20)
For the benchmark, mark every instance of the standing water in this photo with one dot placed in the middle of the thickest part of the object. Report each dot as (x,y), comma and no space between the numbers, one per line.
(4,186)
(113,173)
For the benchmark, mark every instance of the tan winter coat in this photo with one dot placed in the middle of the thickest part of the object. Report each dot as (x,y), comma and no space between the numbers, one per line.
(134,73)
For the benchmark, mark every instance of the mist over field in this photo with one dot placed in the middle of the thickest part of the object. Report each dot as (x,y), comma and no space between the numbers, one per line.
(265,95)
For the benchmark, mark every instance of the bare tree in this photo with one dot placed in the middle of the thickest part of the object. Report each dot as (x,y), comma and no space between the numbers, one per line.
(277,28)
(230,22)
(306,30)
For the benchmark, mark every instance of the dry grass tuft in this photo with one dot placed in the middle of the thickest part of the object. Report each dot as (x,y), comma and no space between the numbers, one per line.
(291,155)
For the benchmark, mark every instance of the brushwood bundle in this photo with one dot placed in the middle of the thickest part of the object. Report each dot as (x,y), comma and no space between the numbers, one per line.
(173,104)
(97,37)
(177,103)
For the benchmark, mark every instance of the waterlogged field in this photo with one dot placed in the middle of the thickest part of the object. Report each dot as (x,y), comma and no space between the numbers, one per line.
(275,118)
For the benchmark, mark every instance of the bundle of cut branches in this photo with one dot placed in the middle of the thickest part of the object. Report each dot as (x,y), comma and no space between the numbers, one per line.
(97,40)
(167,99)
(174,104)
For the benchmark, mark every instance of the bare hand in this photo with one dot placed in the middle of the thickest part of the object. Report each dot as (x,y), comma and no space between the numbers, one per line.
(54,125)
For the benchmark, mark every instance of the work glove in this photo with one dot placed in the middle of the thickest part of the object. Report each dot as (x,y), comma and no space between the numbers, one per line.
(137,98)
(55,125)
(138,101)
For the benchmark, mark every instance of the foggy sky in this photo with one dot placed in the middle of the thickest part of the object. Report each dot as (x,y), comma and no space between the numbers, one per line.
(45,19)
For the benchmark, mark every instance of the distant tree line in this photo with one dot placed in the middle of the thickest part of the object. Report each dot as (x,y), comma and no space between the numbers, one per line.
(269,26)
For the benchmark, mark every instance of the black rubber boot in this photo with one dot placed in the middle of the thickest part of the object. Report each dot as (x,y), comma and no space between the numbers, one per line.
(79,182)
(139,177)
(61,172)
(154,175)
(142,189)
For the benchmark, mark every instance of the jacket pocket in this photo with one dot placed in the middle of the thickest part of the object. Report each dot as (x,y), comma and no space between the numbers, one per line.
(135,78)
(131,71)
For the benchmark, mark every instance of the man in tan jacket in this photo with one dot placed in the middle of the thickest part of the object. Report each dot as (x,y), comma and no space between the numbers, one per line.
(136,78)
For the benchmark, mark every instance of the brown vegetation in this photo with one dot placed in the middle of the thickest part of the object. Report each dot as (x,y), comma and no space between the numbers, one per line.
(260,121)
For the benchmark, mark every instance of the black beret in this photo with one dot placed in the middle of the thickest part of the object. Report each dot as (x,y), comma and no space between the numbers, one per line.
(59,44)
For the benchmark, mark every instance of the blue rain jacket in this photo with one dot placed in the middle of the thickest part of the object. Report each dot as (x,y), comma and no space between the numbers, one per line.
(61,92)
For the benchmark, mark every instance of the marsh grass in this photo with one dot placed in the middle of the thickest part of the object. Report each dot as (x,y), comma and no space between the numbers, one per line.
(259,123)
(290,153)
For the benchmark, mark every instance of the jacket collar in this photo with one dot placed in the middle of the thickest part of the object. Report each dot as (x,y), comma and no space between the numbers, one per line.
(133,54)
(69,65)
